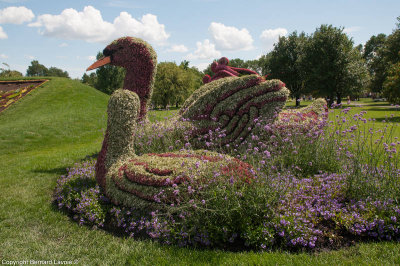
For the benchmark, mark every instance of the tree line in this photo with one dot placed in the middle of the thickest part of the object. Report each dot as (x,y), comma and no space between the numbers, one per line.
(34,70)
(325,63)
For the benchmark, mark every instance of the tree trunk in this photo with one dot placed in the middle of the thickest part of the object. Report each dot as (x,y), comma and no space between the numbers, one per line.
(329,100)
(339,98)
(297,100)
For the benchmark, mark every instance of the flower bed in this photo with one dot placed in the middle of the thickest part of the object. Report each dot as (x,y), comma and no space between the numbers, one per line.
(12,91)
(311,190)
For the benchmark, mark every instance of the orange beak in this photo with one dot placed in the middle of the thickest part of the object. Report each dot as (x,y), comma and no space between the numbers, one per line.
(101,62)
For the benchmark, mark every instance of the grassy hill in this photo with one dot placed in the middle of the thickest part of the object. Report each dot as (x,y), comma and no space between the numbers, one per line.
(60,123)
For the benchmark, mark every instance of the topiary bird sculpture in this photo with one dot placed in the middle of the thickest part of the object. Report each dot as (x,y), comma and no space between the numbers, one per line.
(227,101)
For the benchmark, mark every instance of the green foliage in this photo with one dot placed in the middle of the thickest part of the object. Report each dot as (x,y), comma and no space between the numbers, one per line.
(264,65)
(373,54)
(174,84)
(392,84)
(329,60)
(90,80)
(392,46)
(109,77)
(56,72)
(10,74)
(285,63)
(39,142)
(381,53)
(36,69)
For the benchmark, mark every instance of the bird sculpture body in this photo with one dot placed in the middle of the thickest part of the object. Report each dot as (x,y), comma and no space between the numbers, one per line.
(227,101)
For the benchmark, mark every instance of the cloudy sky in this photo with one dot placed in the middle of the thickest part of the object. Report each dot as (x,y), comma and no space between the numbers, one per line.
(68,34)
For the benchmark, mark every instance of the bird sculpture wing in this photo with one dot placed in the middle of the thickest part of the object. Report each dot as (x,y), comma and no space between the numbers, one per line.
(231,106)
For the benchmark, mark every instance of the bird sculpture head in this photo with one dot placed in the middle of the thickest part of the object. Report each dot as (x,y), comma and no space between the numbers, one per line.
(140,61)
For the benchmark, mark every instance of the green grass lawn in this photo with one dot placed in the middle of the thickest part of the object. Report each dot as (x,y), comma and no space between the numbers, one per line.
(61,123)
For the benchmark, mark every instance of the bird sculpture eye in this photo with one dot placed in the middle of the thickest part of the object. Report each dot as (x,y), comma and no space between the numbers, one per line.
(107,52)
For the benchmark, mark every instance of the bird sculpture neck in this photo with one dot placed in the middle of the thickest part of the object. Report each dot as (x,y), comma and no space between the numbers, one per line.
(140,81)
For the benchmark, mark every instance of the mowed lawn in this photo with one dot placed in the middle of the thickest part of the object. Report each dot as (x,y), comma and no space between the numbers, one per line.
(62,122)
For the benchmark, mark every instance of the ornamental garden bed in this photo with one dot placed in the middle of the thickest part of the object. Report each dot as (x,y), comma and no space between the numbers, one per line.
(321,190)
(12,91)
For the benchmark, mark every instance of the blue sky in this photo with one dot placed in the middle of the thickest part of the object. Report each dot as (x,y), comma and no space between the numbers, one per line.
(68,34)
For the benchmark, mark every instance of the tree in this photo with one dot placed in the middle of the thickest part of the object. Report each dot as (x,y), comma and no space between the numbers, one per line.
(357,76)
(391,48)
(56,72)
(329,59)
(174,84)
(89,79)
(36,69)
(264,64)
(167,84)
(377,68)
(109,78)
(285,63)
(391,86)
(8,73)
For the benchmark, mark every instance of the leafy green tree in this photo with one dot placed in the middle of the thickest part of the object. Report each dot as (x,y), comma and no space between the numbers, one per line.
(56,72)
(168,83)
(285,63)
(8,73)
(329,59)
(254,65)
(36,69)
(109,78)
(89,79)
(193,79)
(174,84)
(374,56)
(391,50)
(391,86)
(184,64)
(264,64)
(357,77)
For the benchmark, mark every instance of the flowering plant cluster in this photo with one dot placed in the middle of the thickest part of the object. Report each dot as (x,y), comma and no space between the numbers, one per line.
(267,179)
(10,96)
(315,190)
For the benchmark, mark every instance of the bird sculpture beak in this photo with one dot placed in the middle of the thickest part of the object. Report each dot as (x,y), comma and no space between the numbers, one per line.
(101,62)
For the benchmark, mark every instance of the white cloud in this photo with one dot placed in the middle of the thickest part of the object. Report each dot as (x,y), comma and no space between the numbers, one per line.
(230,38)
(91,58)
(147,28)
(352,29)
(178,49)
(31,57)
(205,50)
(15,15)
(64,44)
(89,25)
(3,35)
(201,66)
(3,56)
(271,36)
